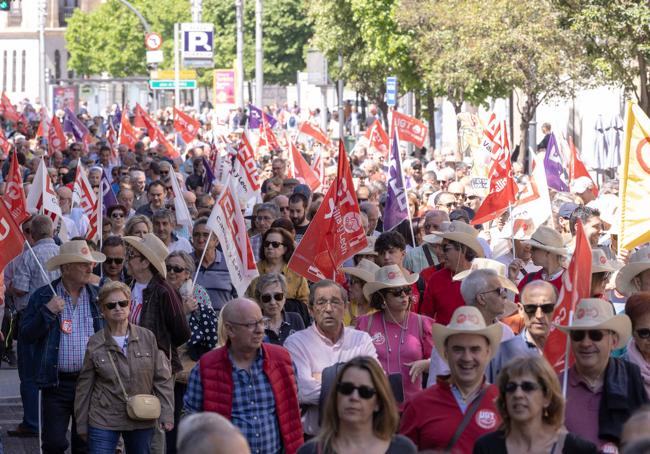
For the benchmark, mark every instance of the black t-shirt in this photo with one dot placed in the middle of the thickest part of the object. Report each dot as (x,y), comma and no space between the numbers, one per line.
(495,443)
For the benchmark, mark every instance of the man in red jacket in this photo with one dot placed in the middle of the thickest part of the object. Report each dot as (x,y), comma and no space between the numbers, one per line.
(452,414)
(251,383)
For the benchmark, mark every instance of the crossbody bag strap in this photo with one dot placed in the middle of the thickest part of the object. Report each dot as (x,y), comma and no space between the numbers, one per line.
(466,419)
(110,357)
(427,254)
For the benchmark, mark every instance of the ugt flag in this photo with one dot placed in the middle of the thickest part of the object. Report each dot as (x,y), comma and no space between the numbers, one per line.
(396,209)
(557,174)
(256,117)
(11,237)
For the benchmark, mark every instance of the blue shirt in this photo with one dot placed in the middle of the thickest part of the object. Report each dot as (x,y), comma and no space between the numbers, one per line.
(253,405)
(76,328)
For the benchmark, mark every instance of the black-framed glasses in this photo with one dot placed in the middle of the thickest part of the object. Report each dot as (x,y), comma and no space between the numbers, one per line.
(267,297)
(175,269)
(595,335)
(163,172)
(400,291)
(531,309)
(273,244)
(264,322)
(643,333)
(526,386)
(115,260)
(113,304)
(347,388)
(117,214)
(501,291)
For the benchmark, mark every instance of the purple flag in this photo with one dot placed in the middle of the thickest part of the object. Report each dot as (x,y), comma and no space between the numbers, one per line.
(557,174)
(72,125)
(255,118)
(208,177)
(116,120)
(109,198)
(396,209)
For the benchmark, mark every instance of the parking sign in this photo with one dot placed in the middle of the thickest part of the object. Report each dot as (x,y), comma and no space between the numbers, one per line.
(198,41)
(391,91)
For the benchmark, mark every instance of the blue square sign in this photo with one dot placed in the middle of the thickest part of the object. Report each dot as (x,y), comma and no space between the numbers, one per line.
(391,91)
(198,40)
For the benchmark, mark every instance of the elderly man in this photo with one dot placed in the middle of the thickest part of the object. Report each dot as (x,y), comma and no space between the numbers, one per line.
(635,275)
(602,391)
(372,211)
(138,183)
(446,201)
(59,325)
(156,198)
(126,197)
(266,214)
(163,227)
(282,202)
(210,433)
(76,222)
(536,306)
(452,414)
(425,256)
(249,382)
(325,343)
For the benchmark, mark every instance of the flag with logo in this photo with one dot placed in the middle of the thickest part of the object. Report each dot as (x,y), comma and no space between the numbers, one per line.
(72,125)
(56,140)
(300,169)
(315,133)
(7,110)
(377,138)
(183,216)
(396,208)
(128,135)
(256,117)
(557,174)
(227,222)
(84,197)
(335,233)
(11,237)
(410,129)
(186,125)
(245,177)
(42,124)
(42,197)
(576,284)
(14,197)
(267,137)
(318,165)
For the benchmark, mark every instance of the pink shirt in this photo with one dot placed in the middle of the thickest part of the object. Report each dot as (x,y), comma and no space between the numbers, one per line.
(397,347)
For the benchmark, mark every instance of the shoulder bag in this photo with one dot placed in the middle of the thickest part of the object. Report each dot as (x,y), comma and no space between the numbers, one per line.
(141,407)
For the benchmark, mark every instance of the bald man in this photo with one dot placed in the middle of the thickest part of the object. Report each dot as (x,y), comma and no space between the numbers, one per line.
(251,383)
(210,433)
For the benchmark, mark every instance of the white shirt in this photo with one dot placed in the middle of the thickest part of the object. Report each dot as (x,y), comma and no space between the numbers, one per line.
(181,244)
(312,352)
(136,302)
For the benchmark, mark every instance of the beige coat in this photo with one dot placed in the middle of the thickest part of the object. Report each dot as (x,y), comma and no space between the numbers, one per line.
(99,399)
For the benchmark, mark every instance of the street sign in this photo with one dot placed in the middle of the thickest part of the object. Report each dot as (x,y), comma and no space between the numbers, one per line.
(391,91)
(197,44)
(184,74)
(171,84)
(153,41)
(155,56)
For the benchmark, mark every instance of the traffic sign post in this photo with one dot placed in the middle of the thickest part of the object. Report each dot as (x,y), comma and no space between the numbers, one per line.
(171,84)
(153,41)
(391,91)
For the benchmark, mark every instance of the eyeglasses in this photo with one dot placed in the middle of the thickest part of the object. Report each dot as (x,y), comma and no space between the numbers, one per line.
(526,386)
(643,333)
(400,291)
(273,244)
(117,215)
(284,208)
(264,322)
(499,290)
(113,304)
(175,269)
(360,200)
(264,218)
(347,388)
(322,302)
(115,260)
(595,335)
(531,309)
(267,297)
(133,255)
(163,172)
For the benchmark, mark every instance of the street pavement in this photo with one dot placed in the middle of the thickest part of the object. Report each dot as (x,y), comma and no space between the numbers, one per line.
(11,413)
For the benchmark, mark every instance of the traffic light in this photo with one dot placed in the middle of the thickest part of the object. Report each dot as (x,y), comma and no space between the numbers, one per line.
(5,5)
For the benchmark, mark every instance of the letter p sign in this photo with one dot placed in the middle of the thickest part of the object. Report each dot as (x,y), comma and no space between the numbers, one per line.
(198,41)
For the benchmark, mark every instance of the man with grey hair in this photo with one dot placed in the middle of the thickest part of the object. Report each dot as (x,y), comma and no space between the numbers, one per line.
(163,226)
(138,184)
(282,202)
(425,255)
(372,211)
(209,433)
(266,214)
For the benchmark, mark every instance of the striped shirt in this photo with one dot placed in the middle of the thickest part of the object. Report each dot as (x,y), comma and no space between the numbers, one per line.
(76,328)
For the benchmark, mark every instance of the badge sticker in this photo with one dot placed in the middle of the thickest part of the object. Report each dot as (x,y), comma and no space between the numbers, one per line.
(66,326)
(486,419)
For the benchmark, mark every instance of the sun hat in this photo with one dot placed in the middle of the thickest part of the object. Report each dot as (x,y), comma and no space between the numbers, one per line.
(437,239)
(364,270)
(462,233)
(390,276)
(153,249)
(76,251)
(548,239)
(370,249)
(600,263)
(638,263)
(596,313)
(467,320)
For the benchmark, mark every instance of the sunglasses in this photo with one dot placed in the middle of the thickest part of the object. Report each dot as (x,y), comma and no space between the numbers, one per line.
(347,388)
(595,335)
(164,172)
(273,244)
(531,309)
(115,260)
(267,297)
(399,291)
(643,333)
(499,290)
(175,269)
(526,386)
(113,305)
(117,215)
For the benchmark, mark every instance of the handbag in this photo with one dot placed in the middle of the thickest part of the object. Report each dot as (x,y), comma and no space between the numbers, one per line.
(141,407)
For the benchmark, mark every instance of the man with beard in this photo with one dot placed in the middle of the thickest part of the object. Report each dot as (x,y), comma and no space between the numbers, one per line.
(298,204)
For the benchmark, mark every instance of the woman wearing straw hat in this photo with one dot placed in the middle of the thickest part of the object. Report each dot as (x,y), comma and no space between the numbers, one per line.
(547,250)
(402,338)
(635,275)
(357,278)
(601,273)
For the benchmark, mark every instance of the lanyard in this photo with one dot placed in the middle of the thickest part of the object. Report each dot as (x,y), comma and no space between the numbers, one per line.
(399,345)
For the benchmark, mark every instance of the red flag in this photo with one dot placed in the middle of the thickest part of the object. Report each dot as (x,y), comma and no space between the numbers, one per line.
(5,146)
(576,284)
(186,125)
(318,166)
(301,169)
(142,119)
(577,168)
(315,132)
(170,151)
(267,137)
(410,129)
(128,135)
(42,124)
(7,110)
(377,137)
(335,233)
(11,237)
(55,136)
(14,193)
(84,196)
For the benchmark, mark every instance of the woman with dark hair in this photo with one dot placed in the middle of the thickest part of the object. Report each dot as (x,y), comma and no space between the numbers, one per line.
(531,406)
(360,414)
(276,250)
(117,214)
(637,308)
(270,294)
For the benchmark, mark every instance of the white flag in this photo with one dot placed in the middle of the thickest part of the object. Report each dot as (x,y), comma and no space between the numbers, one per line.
(42,198)
(183,216)
(84,196)
(244,172)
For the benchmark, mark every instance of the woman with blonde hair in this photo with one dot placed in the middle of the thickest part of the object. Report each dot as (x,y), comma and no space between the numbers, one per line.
(531,406)
(138,225)
(360,414)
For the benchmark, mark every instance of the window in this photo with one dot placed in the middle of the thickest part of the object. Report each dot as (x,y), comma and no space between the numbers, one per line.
(15,13)
(13,71)
(57,66)
(66,8)
(24,69)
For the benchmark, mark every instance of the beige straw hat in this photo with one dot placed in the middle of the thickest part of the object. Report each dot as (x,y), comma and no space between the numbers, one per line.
(462,233)
(467,320)
(390,276)
(152,248)
(596,313)
(370,249)
(548,239)
(600,263)
(365,270)
(639,262)
(76,251)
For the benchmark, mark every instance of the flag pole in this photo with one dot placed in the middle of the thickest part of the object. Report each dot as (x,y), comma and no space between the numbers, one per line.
(395,136)
(565,374)
(205,248)
(40,267)
(512,230)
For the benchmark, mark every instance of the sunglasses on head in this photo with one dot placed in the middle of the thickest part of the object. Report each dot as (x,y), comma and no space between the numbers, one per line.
(273,244)
(643,333)
(531,309)
(526,386)
(175,269)
(113,304)
(347,388)
(399,291)
(267,297)
(115,260)
(595,335)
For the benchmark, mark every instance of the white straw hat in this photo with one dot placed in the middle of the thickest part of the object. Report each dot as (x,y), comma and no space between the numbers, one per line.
(390,276)
(467,320)
(76,251)
(638,263)
(596,313)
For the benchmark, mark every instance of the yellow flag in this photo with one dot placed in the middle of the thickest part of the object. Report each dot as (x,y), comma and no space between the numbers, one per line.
(635,180)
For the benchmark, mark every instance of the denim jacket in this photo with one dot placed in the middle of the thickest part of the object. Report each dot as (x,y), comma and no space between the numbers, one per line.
(42,328)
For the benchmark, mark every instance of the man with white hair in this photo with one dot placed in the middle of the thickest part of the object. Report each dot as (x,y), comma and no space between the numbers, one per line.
(138,184)
(209,433)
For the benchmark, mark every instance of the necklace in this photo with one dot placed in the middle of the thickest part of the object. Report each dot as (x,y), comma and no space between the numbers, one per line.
(403,329)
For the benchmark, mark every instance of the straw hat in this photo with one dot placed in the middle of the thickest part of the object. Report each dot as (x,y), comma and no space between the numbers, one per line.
(365,270)
(548,239)
(462,233)
(370,249)
(76,251)
(390,276)
(596,313)
(436,239)
(639,262)
(467,320)
(152,248)
(600,263)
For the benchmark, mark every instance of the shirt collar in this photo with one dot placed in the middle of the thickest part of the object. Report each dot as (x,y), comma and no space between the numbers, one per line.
(326,340)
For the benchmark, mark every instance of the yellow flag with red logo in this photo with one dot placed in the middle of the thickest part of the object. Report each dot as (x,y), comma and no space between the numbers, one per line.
(635,179)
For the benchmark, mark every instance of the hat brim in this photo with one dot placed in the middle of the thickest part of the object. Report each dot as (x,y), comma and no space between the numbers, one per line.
(432,239)
(503,281)
(374,286)
(63,259)
(608,267)
(626,274)
(464,238)
(136,243)
(620,324)
(555,250)
(364,275)
(492,333)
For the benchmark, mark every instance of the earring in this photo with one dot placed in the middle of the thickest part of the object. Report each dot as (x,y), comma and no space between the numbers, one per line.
(546,412)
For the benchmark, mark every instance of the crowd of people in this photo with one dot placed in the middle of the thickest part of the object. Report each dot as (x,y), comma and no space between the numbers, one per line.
(432,339)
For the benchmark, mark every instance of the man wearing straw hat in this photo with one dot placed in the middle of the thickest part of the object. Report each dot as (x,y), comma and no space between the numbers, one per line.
(635,275)
(602,392)
(547,250)
(452,414)
(59,320)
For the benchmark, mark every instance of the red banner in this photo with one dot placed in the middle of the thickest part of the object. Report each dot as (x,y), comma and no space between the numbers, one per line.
(301,169)
(577,168)
(128,134)
(335,233)
(378,138)
(7,110)
(55,137)
(315,132)
(14,193)
(410,129)
(11,237)
(186,125)
(5,146)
